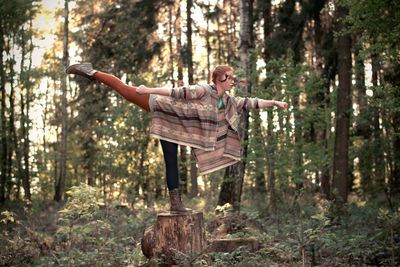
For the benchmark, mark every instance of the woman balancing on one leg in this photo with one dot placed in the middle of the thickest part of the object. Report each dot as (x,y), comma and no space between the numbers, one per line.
(201,116)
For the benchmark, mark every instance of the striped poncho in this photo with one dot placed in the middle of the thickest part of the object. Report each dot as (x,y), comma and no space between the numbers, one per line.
(190,117)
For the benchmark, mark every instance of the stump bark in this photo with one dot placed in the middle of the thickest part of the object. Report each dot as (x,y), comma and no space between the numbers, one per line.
(174,233)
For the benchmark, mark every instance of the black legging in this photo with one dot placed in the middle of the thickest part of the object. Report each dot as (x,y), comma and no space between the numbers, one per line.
(170,151)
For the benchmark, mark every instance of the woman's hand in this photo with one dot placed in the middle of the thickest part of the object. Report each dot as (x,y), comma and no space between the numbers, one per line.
(282,105)
(141,90)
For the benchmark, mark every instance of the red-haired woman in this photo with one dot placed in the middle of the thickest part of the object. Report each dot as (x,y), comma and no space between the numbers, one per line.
(201,116)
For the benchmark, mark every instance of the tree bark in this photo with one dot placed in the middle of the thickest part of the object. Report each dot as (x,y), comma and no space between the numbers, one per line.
(267,17)
(59,190)
(25,124)
(394,180)
(172,233)
(178,31)
(208,45)
(379,157)
(260,183)
(193,167)
(363,121)
(3,129)
(193,175)
(395,174)
(189,6)
(231,189)
(322,66)
(183,170)
(343,111)
(171,52)
(90,155)
(15,141)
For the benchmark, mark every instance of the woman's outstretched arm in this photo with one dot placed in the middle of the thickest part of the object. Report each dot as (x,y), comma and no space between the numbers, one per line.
(246,103)
(270,103)
(184,92)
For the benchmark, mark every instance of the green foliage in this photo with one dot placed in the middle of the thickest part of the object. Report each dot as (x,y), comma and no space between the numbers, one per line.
(376,21)
(20,240)
(121,32)
(87,233)
(362,236)
(16,34)
(301,159)
(9,216)
(108,139)
(226,209)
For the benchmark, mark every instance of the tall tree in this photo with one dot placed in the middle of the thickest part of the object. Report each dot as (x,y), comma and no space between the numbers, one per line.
(323,60)
(170,37)
(343,110)
(60,184)
(13,130)
(231,189)
(381,39)
(3,136)
(363,129)
(24,121)
(266,9)
(15,30)
(193,167)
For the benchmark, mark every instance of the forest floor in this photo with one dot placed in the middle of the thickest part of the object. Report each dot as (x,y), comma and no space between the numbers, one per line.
(308,232)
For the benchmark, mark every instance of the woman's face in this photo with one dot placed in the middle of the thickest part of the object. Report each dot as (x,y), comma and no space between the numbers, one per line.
(226,81)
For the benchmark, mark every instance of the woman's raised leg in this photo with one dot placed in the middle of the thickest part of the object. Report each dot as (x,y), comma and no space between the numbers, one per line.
(128,92)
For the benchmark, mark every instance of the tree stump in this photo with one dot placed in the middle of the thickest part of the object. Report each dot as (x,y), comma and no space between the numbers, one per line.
(174,233)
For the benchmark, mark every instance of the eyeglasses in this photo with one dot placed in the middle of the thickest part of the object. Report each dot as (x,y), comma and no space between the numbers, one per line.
(229,77)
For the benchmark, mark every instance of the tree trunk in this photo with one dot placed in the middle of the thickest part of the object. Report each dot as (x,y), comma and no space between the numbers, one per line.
(322,66)
(379,157)
(193,167)
(343,111)
(174,233)
(171,52)
(63,154)
(3,136)
(260,184)
(193,175)
(15,141)
(178,31)
(183,167)
(219,51)
(90,155)
(231,189)
(24,132)
(25,125)
(271,148)
(183,170)
(267,17)
(208,46)
(395,174)
(363,128)
(10,151)
(189,40)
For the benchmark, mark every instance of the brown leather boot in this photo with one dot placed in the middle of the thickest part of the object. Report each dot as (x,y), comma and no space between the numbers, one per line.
(176,202)
(84,69)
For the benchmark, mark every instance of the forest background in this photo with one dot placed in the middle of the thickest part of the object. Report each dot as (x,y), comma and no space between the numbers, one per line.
(80,177)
